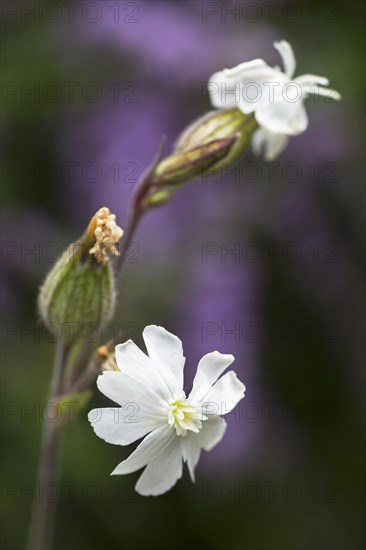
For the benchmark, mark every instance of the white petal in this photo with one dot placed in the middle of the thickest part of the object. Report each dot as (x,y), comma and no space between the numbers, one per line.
(244,86)
(255,66)
(121,426)
(163,471)
(224,93)
(149,448)
(312,84)
(213,430)
(309,80)
(166,352)
(124,390)
(210,367)
(134,362)
(191,447)
(258,93)
(288,56)
(326,92)
(268,144)
(224,395)
(256,70)
(283,117)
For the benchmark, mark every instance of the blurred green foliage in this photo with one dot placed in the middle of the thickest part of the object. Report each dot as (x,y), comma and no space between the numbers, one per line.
(323,455)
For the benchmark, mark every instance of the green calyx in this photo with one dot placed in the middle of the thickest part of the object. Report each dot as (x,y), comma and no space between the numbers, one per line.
(78,294)
(208,145)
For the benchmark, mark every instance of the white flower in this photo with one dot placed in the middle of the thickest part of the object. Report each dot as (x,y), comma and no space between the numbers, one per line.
(274,96)
(149,390)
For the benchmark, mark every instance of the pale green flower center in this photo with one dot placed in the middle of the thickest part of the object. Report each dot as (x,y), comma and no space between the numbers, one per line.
(185,416)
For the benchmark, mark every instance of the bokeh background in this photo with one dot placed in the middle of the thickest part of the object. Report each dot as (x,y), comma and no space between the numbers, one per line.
(109,79)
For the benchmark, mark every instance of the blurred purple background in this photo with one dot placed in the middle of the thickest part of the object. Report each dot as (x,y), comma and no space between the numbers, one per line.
(64,159)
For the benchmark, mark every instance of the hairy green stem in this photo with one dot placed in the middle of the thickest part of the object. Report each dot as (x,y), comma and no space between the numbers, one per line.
(43,512)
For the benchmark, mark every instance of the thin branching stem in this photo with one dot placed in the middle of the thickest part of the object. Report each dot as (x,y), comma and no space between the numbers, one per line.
(44,510)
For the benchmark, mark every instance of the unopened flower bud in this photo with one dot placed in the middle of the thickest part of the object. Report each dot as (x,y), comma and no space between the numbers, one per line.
(79,291)
(213,141)
(185,164)
(219,124)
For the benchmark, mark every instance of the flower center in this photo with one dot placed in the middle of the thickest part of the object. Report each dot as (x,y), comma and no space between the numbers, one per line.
(185,416)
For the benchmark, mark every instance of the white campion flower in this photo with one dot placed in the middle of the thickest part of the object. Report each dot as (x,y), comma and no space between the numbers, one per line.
(149,390)
(274,96)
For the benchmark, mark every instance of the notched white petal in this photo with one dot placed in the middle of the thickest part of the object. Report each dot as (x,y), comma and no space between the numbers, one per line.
(212,433)
(210,367)
(224,395)
(132,361)
(149,448)
(126,391)
(163,471)
(166,352)
(121,426)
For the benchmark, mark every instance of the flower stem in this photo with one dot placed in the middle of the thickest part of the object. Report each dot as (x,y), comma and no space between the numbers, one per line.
(134,217)
(43,512)
(136,209)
